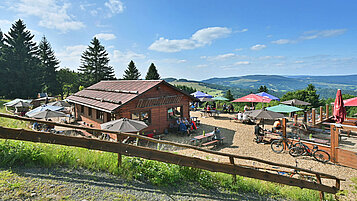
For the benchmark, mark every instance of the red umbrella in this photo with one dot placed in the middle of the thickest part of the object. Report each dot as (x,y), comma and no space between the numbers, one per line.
(350,102)
(253,98)
(339,111)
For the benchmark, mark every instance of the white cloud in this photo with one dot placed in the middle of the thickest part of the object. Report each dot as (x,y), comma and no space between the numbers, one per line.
(52,15)
(241,63)
(115,6)
(241,31)
(270,57)
(200,38)
(299,62)
(258,47)
(322,34)
(201,66)
(219,57)
(105,36)
(282,41)
(125,57)
(71,56)
(238,49)
(5,25)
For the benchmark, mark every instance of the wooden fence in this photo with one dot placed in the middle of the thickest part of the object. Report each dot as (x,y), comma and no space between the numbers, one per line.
(162,156)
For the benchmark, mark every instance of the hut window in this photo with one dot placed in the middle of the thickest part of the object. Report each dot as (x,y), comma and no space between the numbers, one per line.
(100,115)
(90,112)
(82,109)
(174,112)
(144,116)
(112,117)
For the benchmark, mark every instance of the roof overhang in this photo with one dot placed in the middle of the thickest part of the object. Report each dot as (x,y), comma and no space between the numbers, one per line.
(91,106)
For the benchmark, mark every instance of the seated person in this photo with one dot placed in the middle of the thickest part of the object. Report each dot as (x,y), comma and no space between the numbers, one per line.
(276,126)
(240,116)
(245,118)
(259,134)
(216,134)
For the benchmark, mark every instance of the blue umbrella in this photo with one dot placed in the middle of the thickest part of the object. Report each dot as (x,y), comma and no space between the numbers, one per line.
(43,108)
(283,108)
(199,94)
(263,94)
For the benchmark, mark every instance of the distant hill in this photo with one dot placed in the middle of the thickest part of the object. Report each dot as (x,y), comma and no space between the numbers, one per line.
(277,85)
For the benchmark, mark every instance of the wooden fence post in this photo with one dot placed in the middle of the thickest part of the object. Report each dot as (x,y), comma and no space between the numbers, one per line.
(319,182)
(119,154)
(321,113)
(284,130)
(334,142)
(327,111)
(313,116)
(231,159)
(305,117)
(295,118)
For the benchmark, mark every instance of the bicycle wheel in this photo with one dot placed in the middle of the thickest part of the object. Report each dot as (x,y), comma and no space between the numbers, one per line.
(277,146)
(321,156)
(301,145)
(296,151)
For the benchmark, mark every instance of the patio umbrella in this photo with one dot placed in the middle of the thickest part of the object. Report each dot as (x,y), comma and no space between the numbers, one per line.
(220,98)
(60,103)
(350,102)
(264,94)
(43,108)
(22,104)
(124,125)
(253,98)
(264,114)
(15,101)
(283,108)
(48,114)
(199,94)
(339,111)
(204,99)
(295,102)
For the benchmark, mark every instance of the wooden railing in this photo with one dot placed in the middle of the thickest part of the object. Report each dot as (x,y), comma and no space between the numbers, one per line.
(163,156)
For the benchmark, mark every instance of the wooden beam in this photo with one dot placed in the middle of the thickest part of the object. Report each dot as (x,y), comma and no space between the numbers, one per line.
(318,178)
(313,116)
(231,159)
(321,114)
(305,117)
(169,143)
(327,111)
(152,154)
(334,142)
(295,118)
(284,130)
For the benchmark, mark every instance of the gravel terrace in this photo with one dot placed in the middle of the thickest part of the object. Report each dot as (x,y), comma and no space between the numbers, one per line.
(239,140)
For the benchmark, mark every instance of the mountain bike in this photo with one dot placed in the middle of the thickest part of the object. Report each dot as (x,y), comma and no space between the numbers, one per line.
(278,145)
(320,155)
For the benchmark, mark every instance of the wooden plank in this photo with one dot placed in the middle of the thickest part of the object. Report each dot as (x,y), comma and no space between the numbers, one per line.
(321,114)
(347,158)
(327,111)
(334,142)
(168,143)
(151,154)
(318,178)
(313,116)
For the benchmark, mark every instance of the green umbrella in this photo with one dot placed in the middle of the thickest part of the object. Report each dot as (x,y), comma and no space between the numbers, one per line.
(283,108)
(220,98)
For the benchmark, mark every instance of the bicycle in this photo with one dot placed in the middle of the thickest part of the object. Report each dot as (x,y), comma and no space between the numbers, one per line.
(278,145)
(296,174)
(320,155)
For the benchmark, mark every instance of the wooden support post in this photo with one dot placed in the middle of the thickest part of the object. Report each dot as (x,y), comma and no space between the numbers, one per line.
(283,126)
(305,117)
(295,118)
(321,113)
(231,159)
(327,111)
(319,182)
(313,116)
(334,142)
(119,154)
(338,186)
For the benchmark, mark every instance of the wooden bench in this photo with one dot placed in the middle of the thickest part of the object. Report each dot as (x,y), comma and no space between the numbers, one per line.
(213,142)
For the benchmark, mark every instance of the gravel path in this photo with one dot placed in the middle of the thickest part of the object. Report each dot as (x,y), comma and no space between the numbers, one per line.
(241,143)
(68,184)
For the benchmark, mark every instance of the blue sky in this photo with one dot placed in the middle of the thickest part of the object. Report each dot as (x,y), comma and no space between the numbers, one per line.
(199,39)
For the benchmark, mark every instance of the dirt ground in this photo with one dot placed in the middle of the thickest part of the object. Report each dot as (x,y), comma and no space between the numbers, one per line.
(239,140)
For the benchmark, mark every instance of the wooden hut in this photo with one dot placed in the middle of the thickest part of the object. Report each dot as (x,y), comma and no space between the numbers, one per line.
(155,102)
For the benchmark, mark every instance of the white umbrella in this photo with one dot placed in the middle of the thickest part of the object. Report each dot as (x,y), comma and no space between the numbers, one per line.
(48,114)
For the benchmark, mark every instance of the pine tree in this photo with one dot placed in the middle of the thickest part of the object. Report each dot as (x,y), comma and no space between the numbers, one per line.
(131,73)
(95,64)
(152,73)
(229,95)
(49,65)
(21,60)
(263,89)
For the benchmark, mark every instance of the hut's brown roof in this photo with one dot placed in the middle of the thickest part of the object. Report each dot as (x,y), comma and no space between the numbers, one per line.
(109,95)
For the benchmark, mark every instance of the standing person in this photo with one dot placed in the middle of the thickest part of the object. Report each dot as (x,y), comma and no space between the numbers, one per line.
(246,108)
(231,108)
(209,110)
(224,107)
(240,116)
(216,134)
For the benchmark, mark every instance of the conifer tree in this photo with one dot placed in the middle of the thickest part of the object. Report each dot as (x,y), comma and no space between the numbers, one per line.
(49,65)
(152,73)
(229,95)
(22,62)
(3,68)
(95,64)
(131,73)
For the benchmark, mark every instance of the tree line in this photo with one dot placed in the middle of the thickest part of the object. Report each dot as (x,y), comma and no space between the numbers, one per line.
(27,68)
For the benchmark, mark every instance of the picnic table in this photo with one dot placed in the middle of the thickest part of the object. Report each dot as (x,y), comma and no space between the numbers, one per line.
(198,140)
